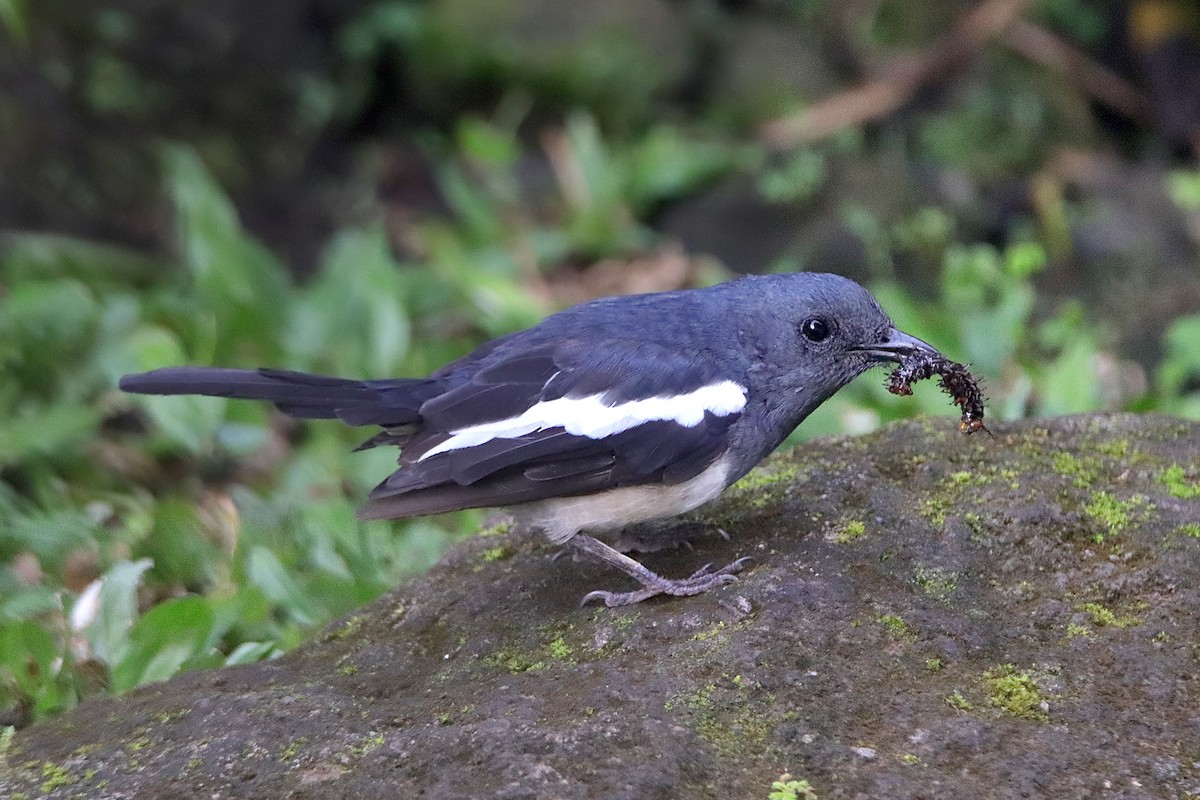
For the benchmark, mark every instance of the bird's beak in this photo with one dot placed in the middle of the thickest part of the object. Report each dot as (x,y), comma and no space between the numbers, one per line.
(898,346)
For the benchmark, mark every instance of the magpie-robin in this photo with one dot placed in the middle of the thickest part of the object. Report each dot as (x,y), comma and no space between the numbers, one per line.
(614,412)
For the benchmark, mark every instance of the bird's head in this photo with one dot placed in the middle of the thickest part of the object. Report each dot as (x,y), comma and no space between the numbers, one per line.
(822,332)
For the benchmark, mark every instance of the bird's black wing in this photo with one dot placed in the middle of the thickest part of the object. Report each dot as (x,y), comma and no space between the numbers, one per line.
(563,418)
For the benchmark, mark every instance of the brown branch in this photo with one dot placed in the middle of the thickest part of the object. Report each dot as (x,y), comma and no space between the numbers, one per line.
(1042,47)
(886,93)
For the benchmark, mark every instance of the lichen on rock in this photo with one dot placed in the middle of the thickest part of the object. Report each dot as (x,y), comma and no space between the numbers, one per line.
(971,632)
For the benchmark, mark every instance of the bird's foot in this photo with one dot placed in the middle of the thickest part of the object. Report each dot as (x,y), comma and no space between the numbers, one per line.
(652,583)
(700,581)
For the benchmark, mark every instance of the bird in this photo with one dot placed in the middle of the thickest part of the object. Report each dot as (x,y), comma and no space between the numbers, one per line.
(615,413)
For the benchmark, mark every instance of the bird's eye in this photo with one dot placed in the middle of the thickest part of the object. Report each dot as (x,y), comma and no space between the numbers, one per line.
(815,329)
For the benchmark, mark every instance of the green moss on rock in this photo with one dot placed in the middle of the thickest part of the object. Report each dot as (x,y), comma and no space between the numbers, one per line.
(1015,692)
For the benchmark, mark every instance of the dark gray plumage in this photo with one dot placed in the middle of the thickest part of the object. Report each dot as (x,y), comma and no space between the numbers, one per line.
(608,414)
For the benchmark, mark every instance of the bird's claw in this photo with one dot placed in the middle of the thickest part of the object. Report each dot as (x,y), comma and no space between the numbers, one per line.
(698,582)
(728,569)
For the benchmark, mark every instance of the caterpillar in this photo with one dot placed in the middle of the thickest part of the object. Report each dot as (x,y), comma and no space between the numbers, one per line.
(955,380)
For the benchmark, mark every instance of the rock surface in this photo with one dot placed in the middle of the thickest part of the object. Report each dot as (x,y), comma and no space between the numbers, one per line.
(931,616)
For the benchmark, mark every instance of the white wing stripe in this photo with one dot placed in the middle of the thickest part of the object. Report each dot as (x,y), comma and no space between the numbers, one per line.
(591,417)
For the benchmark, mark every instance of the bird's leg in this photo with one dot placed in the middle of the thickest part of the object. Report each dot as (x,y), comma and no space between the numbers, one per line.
(652,537)
(652,583)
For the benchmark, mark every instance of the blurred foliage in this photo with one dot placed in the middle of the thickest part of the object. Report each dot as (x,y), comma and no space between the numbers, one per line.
(87,493)
(140,536)
(1083,21)
(12,15)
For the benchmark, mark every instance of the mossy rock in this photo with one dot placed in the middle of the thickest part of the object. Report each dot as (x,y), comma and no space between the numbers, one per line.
(1063,643)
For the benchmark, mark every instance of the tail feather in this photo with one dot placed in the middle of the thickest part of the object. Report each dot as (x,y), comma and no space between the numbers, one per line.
(298,394)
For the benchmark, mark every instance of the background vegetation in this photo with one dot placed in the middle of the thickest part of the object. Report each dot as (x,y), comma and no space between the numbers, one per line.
(373,188)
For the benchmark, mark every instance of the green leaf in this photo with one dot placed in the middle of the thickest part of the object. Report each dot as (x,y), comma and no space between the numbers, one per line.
(50,311)
(992,307)
(44,327)
(162,641)
(27,653)
(265,571)
(182,554)
(600,180)
(26,256)
(189,422)
(1023,259)
(352,318)
(49,534)
(480,218)
(30,602)
(35,430)
(31,669)
(250,652)
(797,180)
(152,346)
(238,279)
(487,142)
(1183,186)
(1069,385)
(381,25)
(114,612)
(1182,359)
(12,15)
(665,164)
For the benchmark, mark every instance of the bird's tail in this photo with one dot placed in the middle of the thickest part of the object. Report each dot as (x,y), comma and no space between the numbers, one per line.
(298,394)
